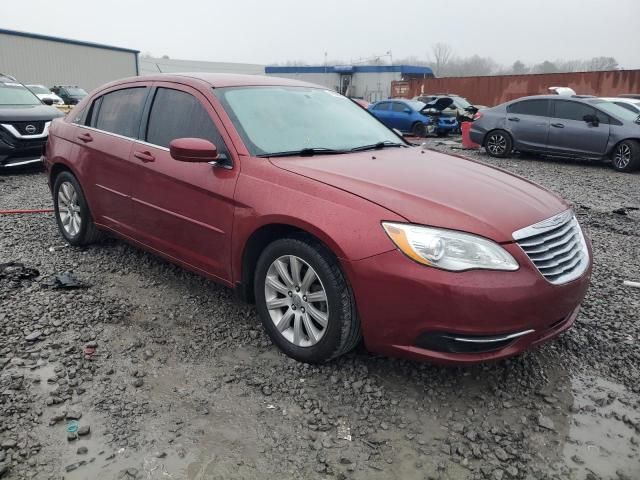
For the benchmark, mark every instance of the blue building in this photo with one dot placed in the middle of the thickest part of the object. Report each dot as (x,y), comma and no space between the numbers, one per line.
(370,82)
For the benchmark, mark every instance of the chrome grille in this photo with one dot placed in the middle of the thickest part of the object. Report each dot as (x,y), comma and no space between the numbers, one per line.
(556,246)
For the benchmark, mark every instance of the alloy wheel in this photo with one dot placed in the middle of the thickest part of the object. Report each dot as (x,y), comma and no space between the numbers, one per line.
(69,209)
(622,156)
(296,301)
(497,144)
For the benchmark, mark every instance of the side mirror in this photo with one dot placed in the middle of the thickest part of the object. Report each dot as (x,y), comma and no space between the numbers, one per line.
(47,101)
(592,119)
(196,150)
(407,110)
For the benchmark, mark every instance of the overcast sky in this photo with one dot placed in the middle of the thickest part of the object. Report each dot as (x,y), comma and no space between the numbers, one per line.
(267,31)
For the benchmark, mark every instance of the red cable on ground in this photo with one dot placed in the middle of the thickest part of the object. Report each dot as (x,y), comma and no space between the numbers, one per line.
(12,212)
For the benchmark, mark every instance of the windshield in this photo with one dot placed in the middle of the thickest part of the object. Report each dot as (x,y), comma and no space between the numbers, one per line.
(16,94)
(281,119)
(38,89)
(75,91)
(616,110)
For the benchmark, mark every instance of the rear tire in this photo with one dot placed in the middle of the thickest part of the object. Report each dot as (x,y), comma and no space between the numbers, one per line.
(498,144)
(310,331)
(419,129)
(626,156)
(73,217)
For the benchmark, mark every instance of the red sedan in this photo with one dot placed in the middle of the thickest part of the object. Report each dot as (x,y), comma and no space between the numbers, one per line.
(331,223)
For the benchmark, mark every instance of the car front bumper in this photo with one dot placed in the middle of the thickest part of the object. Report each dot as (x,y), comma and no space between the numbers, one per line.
(14,153)
(409,310)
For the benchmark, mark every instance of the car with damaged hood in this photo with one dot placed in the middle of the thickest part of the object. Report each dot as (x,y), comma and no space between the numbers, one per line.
(306,204)
(413,117)
(460,106)
(24,124)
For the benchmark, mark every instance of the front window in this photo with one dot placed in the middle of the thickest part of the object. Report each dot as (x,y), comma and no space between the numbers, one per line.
(281,119)
(39,89)
(616,111)
(16,94)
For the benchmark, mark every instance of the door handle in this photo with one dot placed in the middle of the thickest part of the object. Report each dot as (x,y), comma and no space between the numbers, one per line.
(144,156)
(85,137)
(558,125)
(513,119)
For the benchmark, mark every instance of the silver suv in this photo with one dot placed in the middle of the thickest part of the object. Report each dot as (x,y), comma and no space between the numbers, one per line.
(572,126)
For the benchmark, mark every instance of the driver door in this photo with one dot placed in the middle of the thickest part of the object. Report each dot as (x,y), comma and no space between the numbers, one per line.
(570,134)
(184,209)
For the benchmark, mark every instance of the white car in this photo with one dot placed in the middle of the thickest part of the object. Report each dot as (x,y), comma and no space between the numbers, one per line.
(631,104)
(43,92)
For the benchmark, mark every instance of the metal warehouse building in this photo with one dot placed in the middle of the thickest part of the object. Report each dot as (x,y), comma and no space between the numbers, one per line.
(153,65)
(40,59)
(370,82)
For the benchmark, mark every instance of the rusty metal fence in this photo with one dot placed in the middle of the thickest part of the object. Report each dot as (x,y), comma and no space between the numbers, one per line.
(498,89)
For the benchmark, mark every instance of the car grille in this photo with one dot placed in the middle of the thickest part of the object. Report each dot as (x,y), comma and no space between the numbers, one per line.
(556,247)
(29,128)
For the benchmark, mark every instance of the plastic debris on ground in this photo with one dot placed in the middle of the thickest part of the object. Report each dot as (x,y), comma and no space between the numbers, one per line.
(344,432)
(66,280)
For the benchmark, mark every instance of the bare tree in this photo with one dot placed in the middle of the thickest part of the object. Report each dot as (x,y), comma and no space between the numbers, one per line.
(442,53)
(601,63)
(519,68)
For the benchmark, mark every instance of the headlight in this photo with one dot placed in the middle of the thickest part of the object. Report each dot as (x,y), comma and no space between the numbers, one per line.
(449,249)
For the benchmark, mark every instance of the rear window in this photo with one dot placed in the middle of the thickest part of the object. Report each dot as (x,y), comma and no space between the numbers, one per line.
(539,108)
(120,111)
(177,114)
(382,106)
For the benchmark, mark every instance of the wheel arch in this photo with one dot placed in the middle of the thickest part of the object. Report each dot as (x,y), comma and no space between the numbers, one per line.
(612,151)
(489,132)
(260,238)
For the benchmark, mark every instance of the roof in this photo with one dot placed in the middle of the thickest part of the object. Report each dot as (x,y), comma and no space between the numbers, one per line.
(402,69)
(216,80)
(66,40)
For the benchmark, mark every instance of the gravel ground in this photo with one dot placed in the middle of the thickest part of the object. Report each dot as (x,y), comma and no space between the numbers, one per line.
(167,376)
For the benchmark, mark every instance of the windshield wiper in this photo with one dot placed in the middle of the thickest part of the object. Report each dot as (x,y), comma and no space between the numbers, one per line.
(377,146)
(305,152)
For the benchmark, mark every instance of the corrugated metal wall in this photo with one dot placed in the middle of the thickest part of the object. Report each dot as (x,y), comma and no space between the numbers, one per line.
(33,60)
(495,90)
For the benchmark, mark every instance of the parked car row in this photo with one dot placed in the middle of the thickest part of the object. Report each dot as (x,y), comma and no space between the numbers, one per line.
(575,126)
(59,94)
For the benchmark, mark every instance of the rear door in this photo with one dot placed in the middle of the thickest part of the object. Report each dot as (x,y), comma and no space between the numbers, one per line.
(528,123)
(103,145)
(571,135)
(182,209)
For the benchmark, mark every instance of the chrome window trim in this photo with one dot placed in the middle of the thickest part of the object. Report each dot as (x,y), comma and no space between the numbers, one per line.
(12,130)
(117,135)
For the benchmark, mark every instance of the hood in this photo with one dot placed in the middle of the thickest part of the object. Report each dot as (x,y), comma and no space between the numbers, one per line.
(440,104)
(434,189)
(26,113)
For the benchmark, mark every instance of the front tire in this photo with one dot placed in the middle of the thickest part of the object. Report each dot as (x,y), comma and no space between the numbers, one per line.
(498,144)
(626,156)
(419,129)
(304,301)
(72,211)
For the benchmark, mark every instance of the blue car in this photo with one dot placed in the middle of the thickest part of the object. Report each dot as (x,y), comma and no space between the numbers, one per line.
(414,117)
